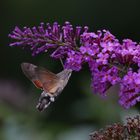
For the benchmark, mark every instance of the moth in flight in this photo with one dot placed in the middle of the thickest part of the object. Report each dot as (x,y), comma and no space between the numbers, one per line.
(51,84)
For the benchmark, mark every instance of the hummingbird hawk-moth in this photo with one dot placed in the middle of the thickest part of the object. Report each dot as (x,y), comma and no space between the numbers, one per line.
(51,84)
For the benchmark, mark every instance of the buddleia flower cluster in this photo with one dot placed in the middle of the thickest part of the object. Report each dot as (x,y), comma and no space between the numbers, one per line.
(117,131)
(110,61)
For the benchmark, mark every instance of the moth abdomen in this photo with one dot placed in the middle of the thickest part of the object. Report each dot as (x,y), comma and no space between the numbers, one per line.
(43,103)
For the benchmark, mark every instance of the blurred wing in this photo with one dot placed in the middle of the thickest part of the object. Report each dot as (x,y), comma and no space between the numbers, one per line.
(40,77)
(49,80)
(30,72)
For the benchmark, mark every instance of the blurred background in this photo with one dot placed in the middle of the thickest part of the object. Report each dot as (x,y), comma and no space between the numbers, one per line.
(77,112)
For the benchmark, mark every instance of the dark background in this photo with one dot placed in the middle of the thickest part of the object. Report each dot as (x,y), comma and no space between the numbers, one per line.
(78,111)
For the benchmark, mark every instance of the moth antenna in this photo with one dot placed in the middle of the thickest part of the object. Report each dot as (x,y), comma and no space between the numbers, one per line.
(61,63)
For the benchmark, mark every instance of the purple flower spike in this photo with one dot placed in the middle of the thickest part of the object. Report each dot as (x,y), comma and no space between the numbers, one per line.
(40,39)
(110,61)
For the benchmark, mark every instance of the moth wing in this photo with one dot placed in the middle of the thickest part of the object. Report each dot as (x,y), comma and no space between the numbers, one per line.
(49,80)
(30,72)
